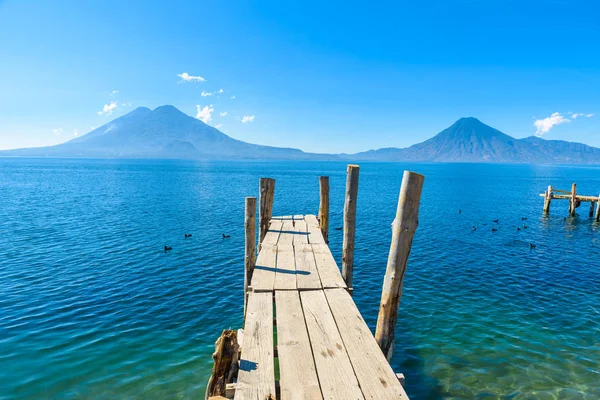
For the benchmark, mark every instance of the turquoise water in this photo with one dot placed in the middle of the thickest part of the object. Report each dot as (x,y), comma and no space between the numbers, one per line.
(92,308)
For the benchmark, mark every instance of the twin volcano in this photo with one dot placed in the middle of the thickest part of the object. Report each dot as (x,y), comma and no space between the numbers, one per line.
(166,132)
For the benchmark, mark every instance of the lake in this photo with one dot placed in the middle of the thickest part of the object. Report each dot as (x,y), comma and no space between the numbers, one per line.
(91,307)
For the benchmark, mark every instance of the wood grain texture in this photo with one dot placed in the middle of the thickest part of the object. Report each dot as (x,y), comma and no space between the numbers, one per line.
(375,375)
(547,200)
(256,378)
(349,223)
(298,375)
(286,237)
(403,230)
(324,206)
(301,231)
(329,272)
(285,275)
(336,375)
(314,232)
(307,275)
(250,244)
(272,235)
(267,194)
(263,278)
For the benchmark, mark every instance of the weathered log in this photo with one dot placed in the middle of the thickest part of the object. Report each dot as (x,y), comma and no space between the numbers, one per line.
(573,200)
(324,207)
(267,193)
(349,223)
(403,230)
(591,209)
(598,210)
(250,249)
(225,365)
(547,200)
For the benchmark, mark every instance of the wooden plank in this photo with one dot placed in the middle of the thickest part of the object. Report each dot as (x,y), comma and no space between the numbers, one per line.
(329,271)
(307,275)
(285,275)
(301,232)
(314,232)
(298,375)
(286,238)
(375,375)
(336,375)
(263,277)
(272,235)
(256,378)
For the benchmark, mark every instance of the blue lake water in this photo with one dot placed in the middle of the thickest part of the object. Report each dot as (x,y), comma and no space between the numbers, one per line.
(92,308)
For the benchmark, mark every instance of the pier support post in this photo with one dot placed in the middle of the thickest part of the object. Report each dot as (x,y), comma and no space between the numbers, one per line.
(349,223)
(403,231)
(250,248)
(267,193)
(591,209)
(598,210)
(573,200)
(547,200)
(324,207)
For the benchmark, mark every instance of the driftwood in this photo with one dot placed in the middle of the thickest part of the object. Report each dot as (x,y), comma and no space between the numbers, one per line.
(225,364)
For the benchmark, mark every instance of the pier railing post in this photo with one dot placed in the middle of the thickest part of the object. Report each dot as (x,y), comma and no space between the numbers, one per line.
(250,248)
(598,210)
(349,223)
(572,202)
(324,207)
(403,231)
(267,193)
(547,200)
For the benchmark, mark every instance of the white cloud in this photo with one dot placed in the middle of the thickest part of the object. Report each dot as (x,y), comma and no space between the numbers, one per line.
(223,114)
(220,91)
(205,94)
(57,131)
(233,97)
(108,108)
(113,92)
(247,118)
(543,126)
(574,116)
(185,77)
(218,126)
(126,104)
(204,114)
(589,115)
(76,132)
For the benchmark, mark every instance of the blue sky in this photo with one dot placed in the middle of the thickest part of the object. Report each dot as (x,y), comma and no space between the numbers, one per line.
(332,76)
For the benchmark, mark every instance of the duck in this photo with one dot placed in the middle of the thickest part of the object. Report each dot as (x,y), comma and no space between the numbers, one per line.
(531,246)
(518,228)
(524,226)
(188,235)
(473,229)
(167,248)
(494,229)
(339,229)
(225,236)
(496,220)
(523,219)
(459,211)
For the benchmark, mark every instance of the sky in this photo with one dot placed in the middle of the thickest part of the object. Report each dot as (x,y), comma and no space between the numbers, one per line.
(334,76)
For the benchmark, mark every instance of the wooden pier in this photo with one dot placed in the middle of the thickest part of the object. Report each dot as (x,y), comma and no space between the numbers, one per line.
(575,200)
(303,336)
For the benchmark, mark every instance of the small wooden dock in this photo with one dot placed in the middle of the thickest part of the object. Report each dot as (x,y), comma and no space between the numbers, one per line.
(303,336)
(575,200)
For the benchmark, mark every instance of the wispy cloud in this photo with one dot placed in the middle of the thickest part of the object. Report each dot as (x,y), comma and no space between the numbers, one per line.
(206,94)
(233,97)
(204,114)
(544,125)
(247,118)
(108,108)
(223,114)
(113,92)
(218,126)
(577,115)
(76,132)
(57,131)
(185,77)
(590,115)
(220,91)
(126,104)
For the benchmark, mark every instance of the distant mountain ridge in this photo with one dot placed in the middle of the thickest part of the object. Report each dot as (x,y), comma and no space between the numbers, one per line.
(166,132)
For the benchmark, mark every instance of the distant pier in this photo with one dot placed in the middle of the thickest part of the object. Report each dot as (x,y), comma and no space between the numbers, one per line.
(303,336)
(575,200)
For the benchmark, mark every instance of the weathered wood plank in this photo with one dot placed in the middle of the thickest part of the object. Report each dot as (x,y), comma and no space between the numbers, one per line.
(285,275)
(263,277)
(256,378)
(336,375)
(272,235)
(301,232)
(375,375)
(314,232)
(298,375)
(286,237)
(307,275)
(329,271)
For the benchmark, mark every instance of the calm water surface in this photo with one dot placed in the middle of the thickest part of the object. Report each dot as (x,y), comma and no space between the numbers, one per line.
(92,308)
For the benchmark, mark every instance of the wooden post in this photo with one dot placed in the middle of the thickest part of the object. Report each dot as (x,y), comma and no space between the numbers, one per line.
(547,200)
(349,223)
(267,192)
(598,210)
(324,207)
(573,200)
(591,209)
(403,231)
(250,249)
(225,365)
